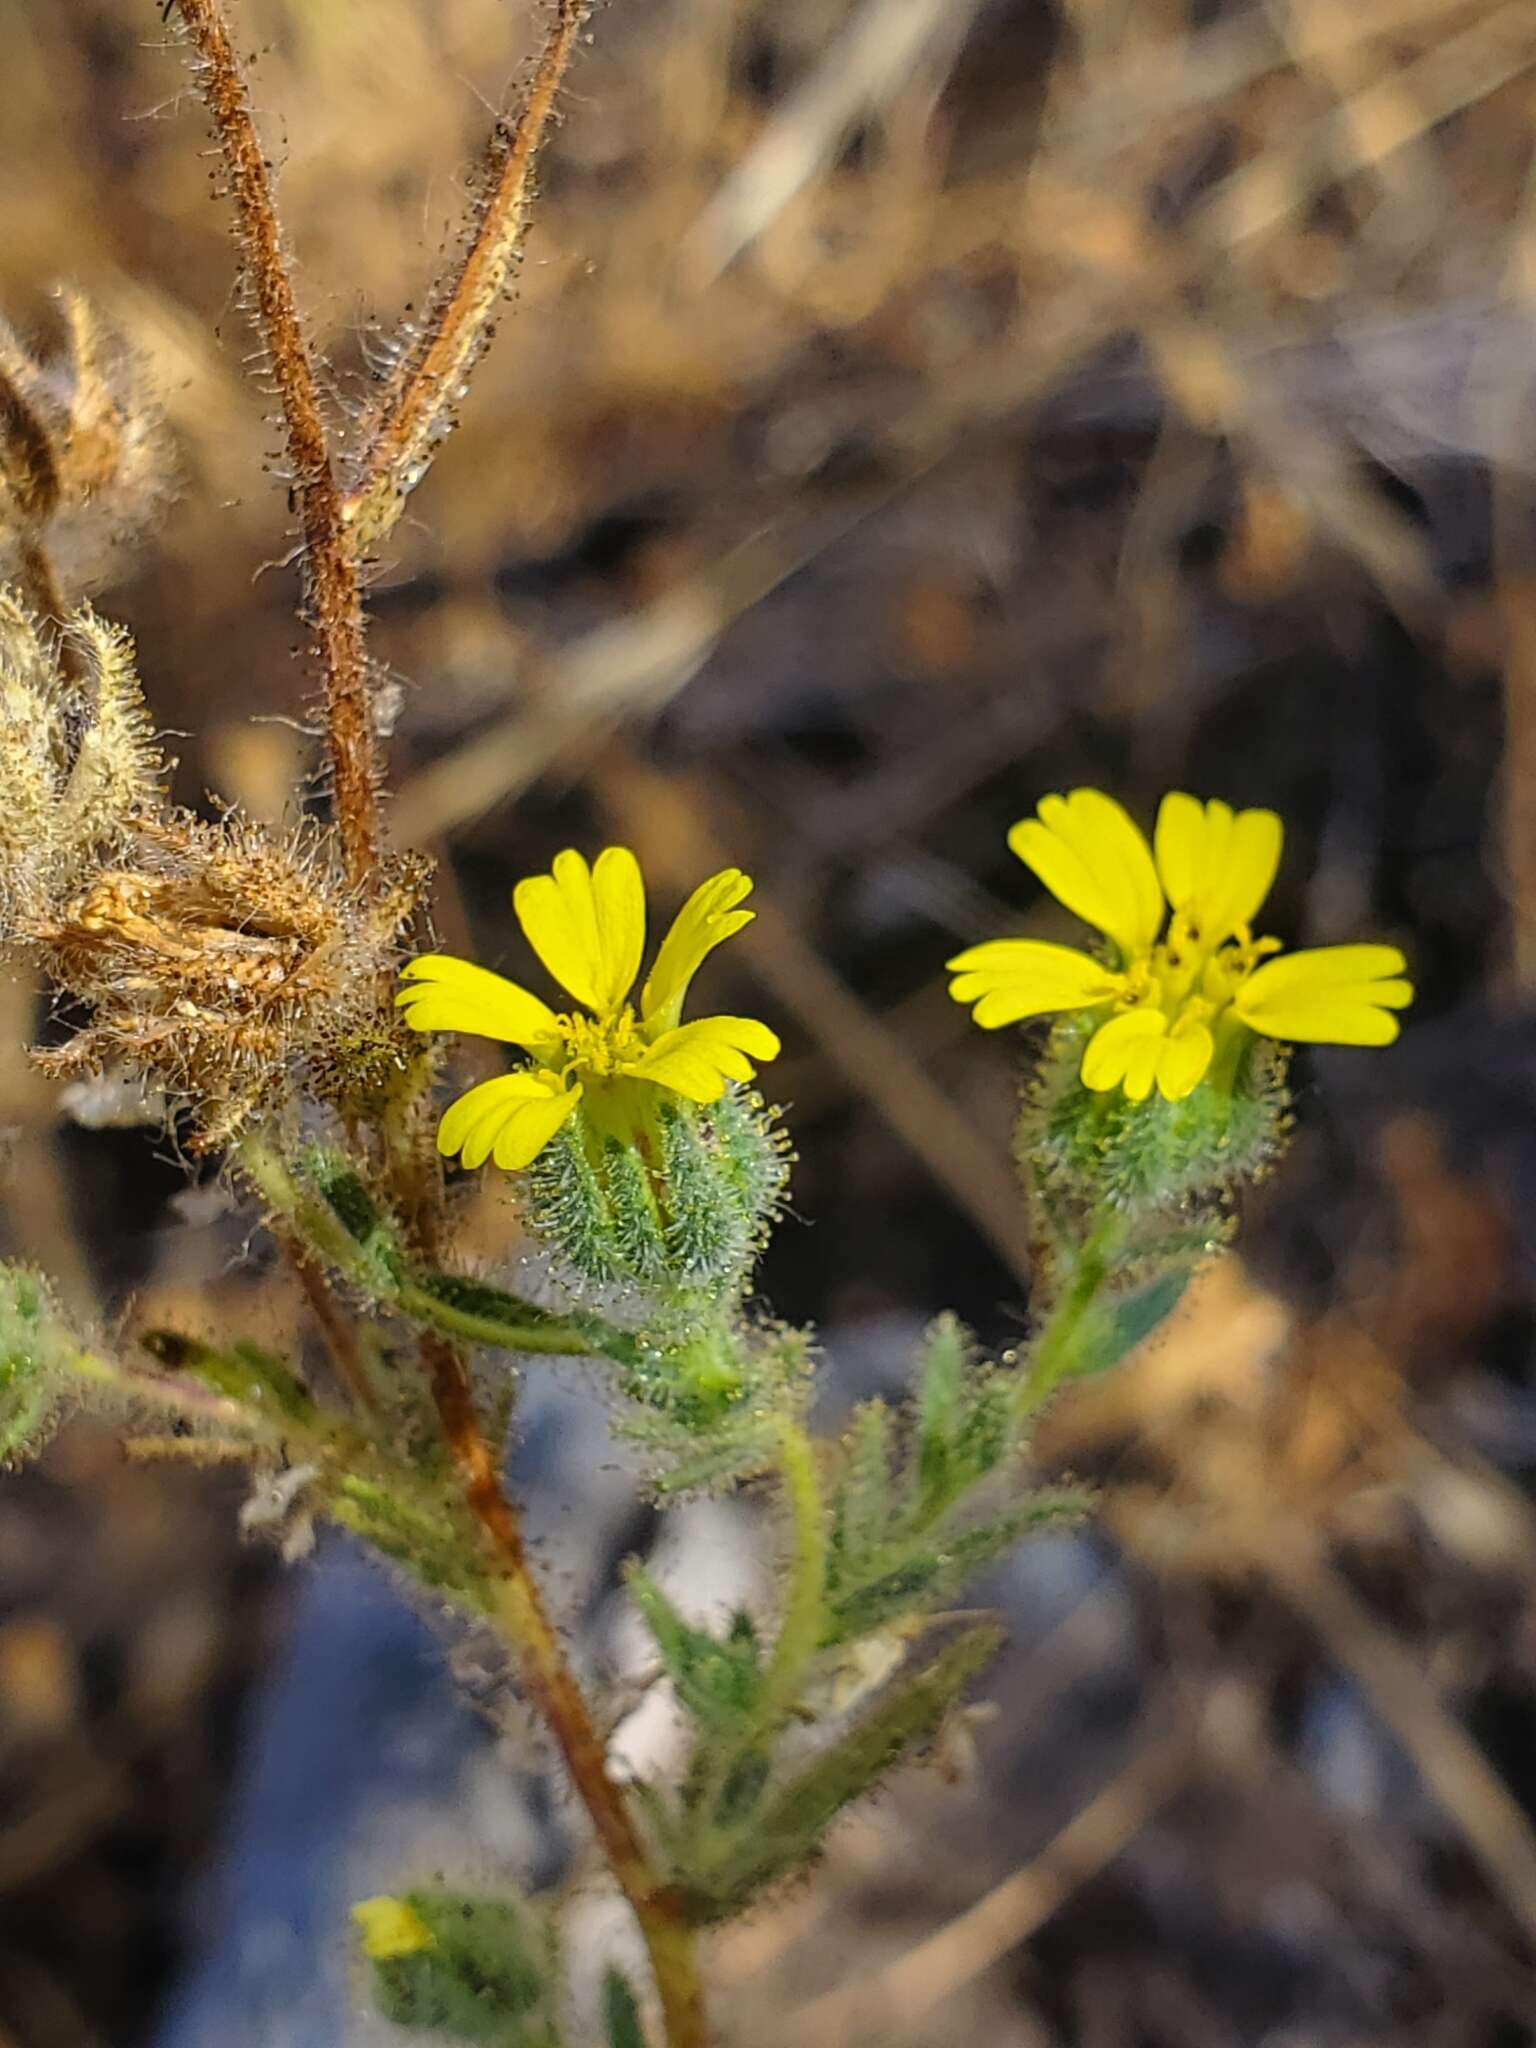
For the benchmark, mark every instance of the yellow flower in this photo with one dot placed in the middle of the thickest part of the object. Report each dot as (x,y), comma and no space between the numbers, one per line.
(587,925)
(1181,992)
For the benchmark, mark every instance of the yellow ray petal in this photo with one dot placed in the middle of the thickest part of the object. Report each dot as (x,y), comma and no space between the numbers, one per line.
(698,1059)
(1327,995)
(587,924)
(513,1116)
(1121,1042)
(1180,841)
(1095,860)
(710,915)
(1010,979)
(1136,1050)
(1183,1060)
(1217,865)
(488,1103)
(443,993)
(528,1130)
(1323,967)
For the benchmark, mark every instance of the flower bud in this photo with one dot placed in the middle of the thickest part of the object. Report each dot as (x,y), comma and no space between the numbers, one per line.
(477,1969)
(686,1205)
(1098,1148)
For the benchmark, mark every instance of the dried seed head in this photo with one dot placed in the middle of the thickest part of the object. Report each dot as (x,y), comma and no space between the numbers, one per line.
(77,756)
(227,965)
(217,962)
(85,455)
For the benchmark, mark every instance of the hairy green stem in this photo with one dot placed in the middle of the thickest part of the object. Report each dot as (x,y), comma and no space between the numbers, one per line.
(1054,1353)
(415,1295)
(553,1335)
(805,1606)
(798,1639)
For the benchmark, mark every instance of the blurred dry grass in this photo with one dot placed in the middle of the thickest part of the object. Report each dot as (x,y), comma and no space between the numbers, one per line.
(908,407)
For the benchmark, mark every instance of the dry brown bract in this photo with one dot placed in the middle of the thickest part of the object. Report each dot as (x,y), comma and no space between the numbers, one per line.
(216,960)
(85,458)
(77,757)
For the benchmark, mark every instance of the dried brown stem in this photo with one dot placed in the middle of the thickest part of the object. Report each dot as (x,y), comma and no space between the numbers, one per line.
(37,579)
(520,1610)
(415,410)
(339,1333)
(335,596)
(39,584)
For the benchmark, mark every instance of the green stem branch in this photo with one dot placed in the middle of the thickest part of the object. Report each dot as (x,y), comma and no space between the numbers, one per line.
(548,1334)
(445,1302)
(1054,1354)
(805,1607)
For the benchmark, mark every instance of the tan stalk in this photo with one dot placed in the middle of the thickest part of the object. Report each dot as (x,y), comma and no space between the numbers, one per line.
(415,410)
(335,596)
(41,591)
(339,1333)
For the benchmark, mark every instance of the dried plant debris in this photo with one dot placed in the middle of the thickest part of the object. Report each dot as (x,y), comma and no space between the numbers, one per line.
(222,960)
(213,959)
(77,756)
(85,456)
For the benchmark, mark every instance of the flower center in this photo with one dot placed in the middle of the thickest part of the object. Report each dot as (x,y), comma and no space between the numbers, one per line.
(600,1045)
(1189,981)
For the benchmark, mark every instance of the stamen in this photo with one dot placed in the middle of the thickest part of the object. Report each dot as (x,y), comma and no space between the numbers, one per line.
(599,1046)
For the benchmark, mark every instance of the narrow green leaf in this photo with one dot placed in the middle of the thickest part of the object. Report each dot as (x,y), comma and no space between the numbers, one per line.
(725,1459)
(245,1372)
(861,1509)
(429,1548)
(940,1407)
(717,1681)
(986,1435)
(1127,1322)
(481,1314)
(621,2012)
(787,1829)
(929,1572)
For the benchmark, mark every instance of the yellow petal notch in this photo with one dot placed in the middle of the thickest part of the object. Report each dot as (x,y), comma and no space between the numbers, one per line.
(1093,858)
(587,925)
(1010,979)
(1328,995)
(711,915)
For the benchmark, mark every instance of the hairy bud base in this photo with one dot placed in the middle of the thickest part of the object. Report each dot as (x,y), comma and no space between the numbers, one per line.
(1101,1149)
(691,1210)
